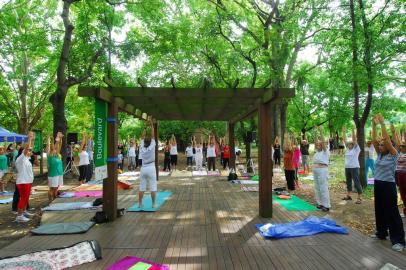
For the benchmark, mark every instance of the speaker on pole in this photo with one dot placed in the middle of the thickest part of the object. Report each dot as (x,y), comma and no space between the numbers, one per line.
(72,138)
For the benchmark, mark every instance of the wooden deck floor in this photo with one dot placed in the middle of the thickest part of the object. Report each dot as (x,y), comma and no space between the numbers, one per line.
(210,224)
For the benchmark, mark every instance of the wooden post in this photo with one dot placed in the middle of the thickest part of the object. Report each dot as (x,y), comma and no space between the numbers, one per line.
(110,184)
(231,144)
(265,161)
(156,149)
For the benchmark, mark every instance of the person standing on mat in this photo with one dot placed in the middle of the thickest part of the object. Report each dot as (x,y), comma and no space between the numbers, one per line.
(3,169)
(83,160)
(296,160)
(320,172)
(288,163)
(352,166)
(55,166)
(304,151)
(226,156)
(211,153)
(167,157)
(189,155)
(277,152)
(148,170)
(199,155)
(369,159)
(387,215)
(25,177)
(400,171)
(174,152)
(132,157)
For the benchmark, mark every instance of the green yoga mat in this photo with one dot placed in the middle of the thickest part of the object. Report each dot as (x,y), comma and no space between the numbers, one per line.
(161,197)
(255,178)
(294,204)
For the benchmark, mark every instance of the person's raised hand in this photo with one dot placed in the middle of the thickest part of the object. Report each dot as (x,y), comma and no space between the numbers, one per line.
(31,135)
(381,119)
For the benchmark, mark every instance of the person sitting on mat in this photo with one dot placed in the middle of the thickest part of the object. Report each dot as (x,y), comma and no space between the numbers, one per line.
(55,166)
(174,152)
(25,177)
(320,172)
(288,163)
(387,216)
(211,153)
(352,166)
(148,170)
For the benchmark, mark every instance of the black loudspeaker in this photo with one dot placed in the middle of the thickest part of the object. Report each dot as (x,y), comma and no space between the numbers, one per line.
(72,137)
(251,136)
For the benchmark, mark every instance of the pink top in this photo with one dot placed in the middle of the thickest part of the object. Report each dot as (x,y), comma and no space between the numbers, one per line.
(296,157)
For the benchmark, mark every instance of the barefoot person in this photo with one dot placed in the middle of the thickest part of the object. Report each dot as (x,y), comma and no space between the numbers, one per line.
(25,177)
(352,166)
(3,168)
(288,163)
(174,152)
(211,153)
(387,215)
(198,155)
(296,160)
(83,160)
(55,166)
(277,152)
(320,172)
(401,168)
(148,170)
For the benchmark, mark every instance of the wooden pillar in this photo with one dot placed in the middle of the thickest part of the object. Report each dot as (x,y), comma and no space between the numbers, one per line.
(265,161)
(156,149)
(110,184)
(231,144)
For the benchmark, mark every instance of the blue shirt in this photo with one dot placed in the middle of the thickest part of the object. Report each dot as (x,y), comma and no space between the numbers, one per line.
(385,167)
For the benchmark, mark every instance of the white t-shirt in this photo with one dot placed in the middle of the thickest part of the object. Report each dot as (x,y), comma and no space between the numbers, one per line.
(211,151)
(351,157)
(83,158)
(199,151)
(370,152)
(24,170)
(148,154)
(189,151)
(131,151)
(174,150)
(321,157)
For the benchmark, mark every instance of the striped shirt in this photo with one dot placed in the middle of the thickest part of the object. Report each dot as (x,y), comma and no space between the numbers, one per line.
(401,165)
(385,167)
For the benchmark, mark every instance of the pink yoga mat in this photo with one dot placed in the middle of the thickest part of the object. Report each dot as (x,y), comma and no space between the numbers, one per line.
(129,261)
(90,193)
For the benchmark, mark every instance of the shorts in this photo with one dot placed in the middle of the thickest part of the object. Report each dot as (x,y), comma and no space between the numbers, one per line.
(55,181)
(305,160)
(148,178)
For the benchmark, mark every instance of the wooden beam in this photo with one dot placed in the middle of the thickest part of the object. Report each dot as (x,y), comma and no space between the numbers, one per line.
(273,94)
(265,161)
(110,184)
(231,143)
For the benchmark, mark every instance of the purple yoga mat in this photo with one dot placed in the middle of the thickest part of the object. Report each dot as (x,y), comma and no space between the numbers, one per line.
(90,193)
(129,261)
(371,181)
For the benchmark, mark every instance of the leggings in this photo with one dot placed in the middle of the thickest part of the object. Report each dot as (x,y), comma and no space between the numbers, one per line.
(211,163)
(174,160)
(167,163)
(82,172)
(226,162)
(290,179)
(277,158)
(24,190)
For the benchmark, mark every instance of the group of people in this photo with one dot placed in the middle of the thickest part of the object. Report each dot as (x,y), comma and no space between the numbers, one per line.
(388,170)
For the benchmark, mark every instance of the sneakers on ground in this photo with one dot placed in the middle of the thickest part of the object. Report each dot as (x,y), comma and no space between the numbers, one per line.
(398,247)
(28,214)
(22,218)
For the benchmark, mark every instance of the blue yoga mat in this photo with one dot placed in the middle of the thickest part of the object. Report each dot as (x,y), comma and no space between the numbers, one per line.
(5,201)
(161,197)
(7,193)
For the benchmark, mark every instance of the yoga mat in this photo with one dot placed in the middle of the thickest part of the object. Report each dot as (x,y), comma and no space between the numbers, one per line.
(181,174)
(294,204)
(68,206)
(164,173)
(67,195)
(371,181)
(7,193)
(161,197)
(6,201)
(244,182)
(224,172)
(199,173)
(121,184)
(309,177)
(46,188)
(63,228)
(55,259)
(309,226)
(87,187)
(130,174)
(213,173)
(134,263)
(95,182)
(91,193)
(250,188)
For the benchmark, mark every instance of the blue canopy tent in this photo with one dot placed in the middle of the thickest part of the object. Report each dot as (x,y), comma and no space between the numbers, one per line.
(11,136)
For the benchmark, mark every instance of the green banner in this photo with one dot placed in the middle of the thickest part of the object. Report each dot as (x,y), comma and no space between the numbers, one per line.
(38,146)
(100,140)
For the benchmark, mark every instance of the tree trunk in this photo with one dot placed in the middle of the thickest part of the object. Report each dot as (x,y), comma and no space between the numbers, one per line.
(283,116)
(57,100)
(248,154)
(361,158)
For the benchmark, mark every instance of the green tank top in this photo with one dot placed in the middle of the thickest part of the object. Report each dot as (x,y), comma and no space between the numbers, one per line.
(3,163)
(55,167)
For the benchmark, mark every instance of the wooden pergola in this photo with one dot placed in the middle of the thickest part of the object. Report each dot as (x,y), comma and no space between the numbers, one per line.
(204,104)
